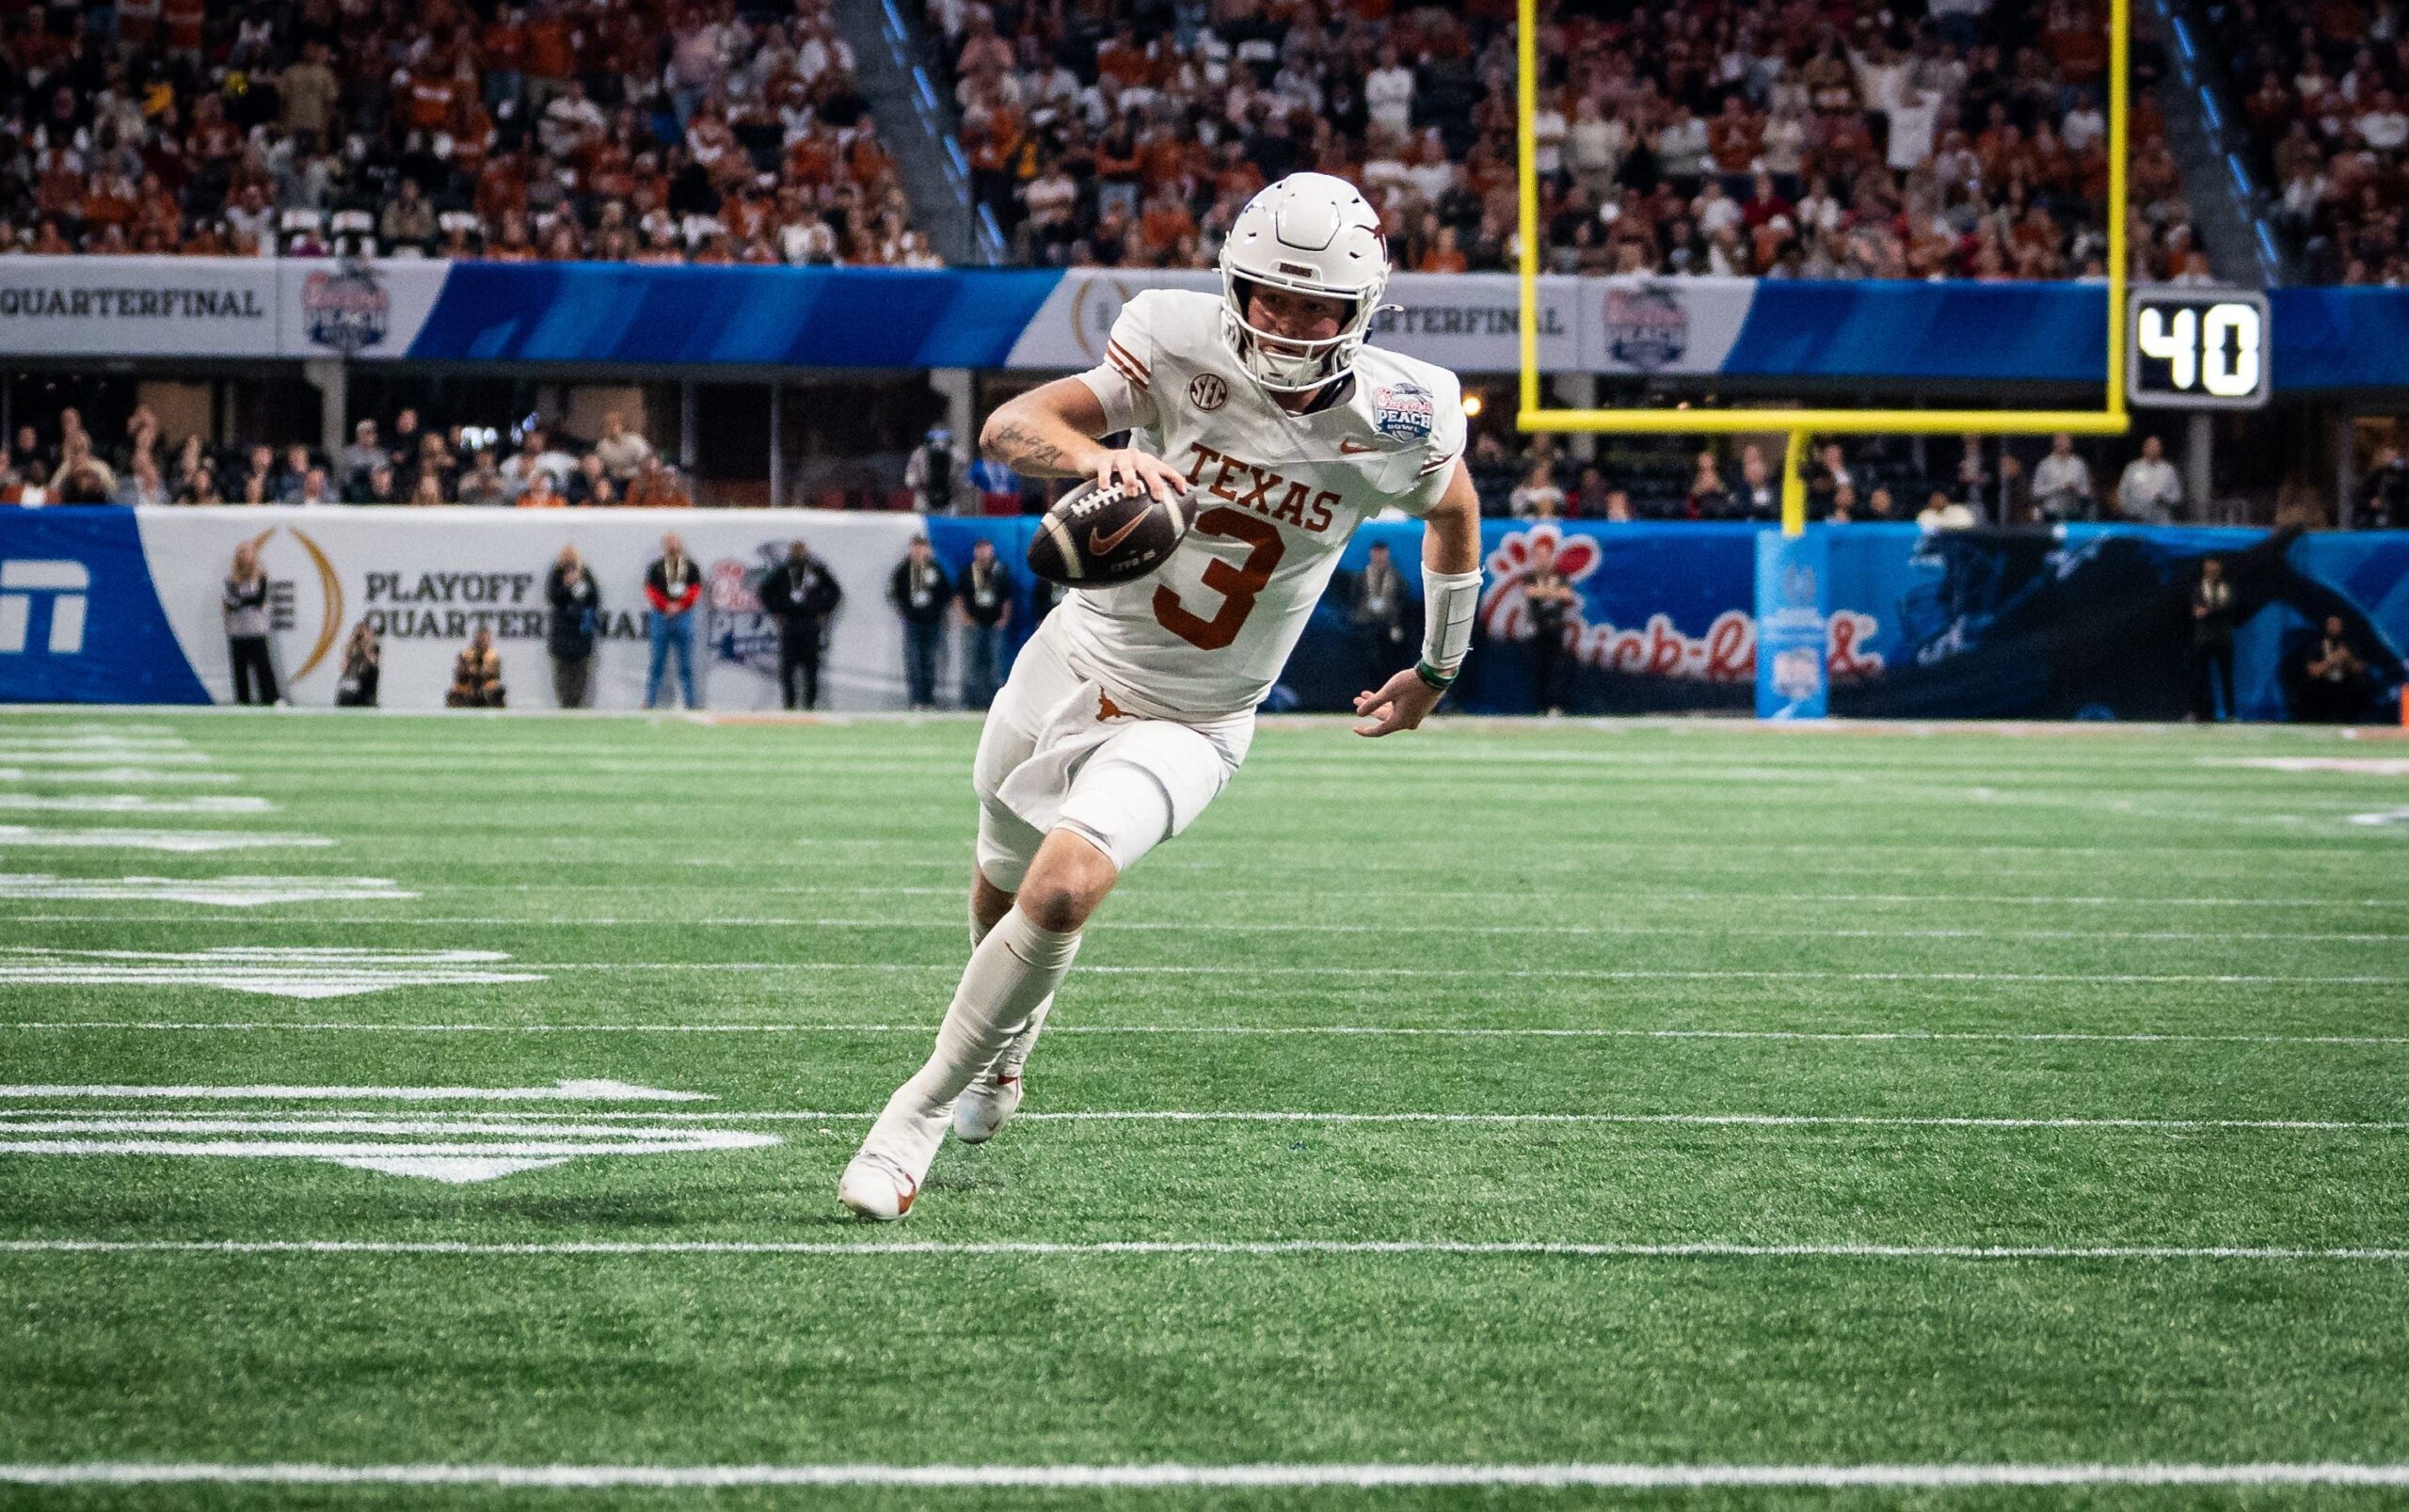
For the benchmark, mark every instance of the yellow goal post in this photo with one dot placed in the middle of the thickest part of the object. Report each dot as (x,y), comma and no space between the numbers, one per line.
(1801,424)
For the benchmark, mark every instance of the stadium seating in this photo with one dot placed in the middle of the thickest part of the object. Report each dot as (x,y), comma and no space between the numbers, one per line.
(2324,103)
(634,130)
(1768,140)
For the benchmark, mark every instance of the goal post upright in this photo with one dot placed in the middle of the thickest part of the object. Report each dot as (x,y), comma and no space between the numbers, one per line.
(2111,419)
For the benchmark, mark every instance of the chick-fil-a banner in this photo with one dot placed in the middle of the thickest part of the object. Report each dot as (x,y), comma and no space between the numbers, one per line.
(2087,622)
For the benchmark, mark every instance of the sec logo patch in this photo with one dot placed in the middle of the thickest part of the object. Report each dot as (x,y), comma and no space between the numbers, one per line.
(1207,391)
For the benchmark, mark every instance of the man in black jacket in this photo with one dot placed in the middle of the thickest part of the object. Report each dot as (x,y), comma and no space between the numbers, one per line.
(576,615)
(800,594)
(921,590)
(987,604)
(2212,621)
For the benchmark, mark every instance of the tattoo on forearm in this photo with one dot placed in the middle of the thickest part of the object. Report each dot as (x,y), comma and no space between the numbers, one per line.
(1015,445)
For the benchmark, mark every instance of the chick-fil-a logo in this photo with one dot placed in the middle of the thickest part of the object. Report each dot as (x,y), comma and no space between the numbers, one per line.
(1726,653)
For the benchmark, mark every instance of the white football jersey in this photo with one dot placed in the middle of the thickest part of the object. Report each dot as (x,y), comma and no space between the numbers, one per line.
(1273,497)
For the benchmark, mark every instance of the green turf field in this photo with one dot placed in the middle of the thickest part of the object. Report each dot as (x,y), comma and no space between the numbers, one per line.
(1499,1099)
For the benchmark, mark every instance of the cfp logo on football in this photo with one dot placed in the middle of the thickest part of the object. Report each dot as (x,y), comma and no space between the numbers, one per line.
(65,584)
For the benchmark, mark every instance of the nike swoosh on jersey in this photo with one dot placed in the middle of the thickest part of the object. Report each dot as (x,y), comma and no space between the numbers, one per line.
(1100,544)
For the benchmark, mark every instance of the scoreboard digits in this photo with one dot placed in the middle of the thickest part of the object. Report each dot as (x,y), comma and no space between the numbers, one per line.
(2197,349)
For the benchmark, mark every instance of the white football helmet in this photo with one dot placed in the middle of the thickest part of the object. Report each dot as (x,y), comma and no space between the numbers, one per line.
(1314,234)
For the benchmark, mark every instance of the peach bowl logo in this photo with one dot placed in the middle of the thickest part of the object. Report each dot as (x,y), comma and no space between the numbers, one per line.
(1726,653)
(1646,327)
(346,309)
(735,628)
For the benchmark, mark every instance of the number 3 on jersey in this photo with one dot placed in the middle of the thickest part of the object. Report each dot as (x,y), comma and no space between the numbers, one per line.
(1238,585)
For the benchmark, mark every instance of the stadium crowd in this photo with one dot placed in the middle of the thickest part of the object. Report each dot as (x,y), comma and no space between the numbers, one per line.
(2325,90)
(1742,138)
(1862,479)
(406,463)
(629,129)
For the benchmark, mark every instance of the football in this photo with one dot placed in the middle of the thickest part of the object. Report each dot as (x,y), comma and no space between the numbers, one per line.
(1095,538)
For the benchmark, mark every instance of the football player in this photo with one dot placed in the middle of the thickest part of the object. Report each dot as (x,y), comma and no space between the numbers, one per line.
(1132,707)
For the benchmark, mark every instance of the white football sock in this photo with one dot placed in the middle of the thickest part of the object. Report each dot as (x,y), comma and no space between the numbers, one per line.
(1013,972)
(1015,1055)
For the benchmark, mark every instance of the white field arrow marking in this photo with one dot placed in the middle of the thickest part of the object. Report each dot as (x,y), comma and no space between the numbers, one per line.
(34,755)
(181,841)
(94,741)
(115,774)
(217,892)
(599,1090)
(2365,766)
(455,1149)
(274,971)
(134,803)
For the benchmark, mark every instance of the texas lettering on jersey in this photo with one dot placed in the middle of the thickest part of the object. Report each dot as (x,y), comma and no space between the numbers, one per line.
(1278,494)
(1250,487)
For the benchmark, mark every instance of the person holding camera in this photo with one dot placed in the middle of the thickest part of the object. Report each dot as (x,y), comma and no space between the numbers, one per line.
(577,620)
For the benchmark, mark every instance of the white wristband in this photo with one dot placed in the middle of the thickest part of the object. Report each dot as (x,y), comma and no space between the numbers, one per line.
(1450,600)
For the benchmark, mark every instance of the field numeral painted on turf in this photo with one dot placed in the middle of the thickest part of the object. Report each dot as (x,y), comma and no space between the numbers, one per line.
(456,1149)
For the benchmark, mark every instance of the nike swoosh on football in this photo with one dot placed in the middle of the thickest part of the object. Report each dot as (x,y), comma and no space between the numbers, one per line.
(1100,544)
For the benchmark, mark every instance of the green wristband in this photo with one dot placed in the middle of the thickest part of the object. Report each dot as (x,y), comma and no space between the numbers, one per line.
(1433,677)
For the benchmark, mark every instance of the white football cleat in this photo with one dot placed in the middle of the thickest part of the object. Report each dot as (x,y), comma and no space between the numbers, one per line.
(876,1190)
(983,1110)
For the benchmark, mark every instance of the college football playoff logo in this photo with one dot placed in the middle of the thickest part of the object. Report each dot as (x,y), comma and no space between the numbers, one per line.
(1207,391)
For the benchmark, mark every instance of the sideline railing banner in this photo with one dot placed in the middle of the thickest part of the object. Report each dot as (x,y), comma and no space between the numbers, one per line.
(608,313)
(149,628)
(2090,623)
(108,605)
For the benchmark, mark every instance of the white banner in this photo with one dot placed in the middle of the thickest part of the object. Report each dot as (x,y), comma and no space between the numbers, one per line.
(428,578)
(1471,321)
(139,307)
(1464,322)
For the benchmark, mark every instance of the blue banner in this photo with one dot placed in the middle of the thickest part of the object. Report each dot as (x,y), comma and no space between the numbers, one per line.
(80,622)
(1033,319)
(1792,604)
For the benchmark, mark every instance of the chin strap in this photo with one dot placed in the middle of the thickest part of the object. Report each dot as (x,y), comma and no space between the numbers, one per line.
(1450,600)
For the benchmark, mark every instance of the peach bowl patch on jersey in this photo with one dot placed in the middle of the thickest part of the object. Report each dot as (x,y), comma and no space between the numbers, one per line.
(1403,410)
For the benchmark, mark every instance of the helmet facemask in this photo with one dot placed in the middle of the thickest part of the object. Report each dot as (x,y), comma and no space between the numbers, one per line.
(1290,364)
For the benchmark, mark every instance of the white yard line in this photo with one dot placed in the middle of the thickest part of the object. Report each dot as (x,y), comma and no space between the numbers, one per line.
(1702,1249)
(1130,1478)
(1191,926)
(1918,900)
(1305,1030)
(1766,1121)
(1487,974)
(1498,972)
